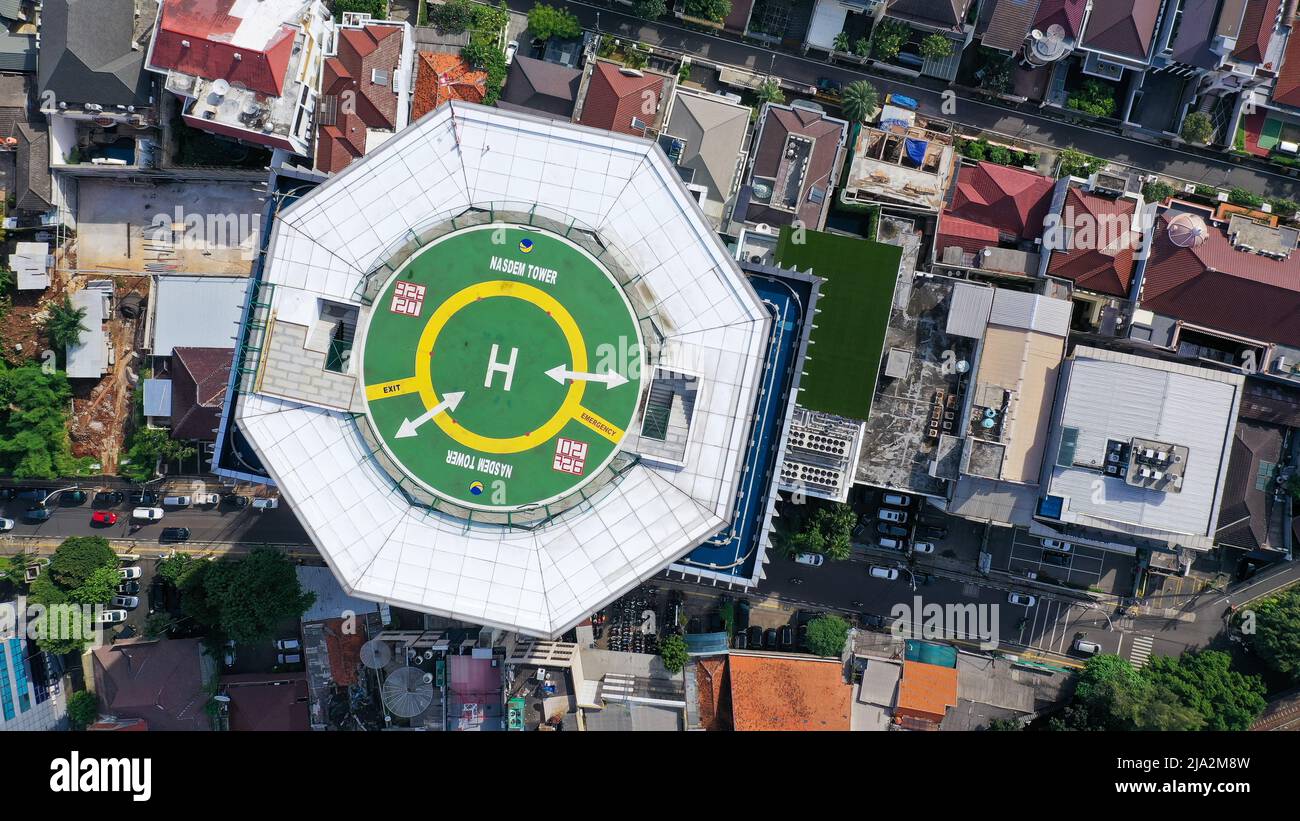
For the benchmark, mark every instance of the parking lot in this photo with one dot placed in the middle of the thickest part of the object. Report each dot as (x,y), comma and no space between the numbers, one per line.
(1082,567)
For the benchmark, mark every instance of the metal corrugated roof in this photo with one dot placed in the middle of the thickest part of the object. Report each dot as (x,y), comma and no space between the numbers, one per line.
(1031,312)
(969,311)
(197,312)
(88,358)
(157,397)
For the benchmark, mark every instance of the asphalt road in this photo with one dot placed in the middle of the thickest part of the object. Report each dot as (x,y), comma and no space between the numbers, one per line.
(1025,125)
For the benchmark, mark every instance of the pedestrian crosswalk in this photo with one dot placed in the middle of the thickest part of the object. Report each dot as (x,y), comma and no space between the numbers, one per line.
(1139,652)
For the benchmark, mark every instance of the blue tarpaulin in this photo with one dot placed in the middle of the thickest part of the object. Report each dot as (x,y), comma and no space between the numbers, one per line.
(916,149)
(904,102)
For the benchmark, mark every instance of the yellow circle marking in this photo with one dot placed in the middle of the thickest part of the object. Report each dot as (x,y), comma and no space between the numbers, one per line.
(485,290)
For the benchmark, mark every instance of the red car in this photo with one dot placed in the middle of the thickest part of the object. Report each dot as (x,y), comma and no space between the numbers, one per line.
(103,518)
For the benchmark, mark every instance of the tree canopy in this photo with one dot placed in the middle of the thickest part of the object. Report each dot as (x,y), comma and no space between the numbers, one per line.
(1277,632)
(888,38)
(826,635)
(33,423)
(935,47)
(75,561)
(859,101)
(245,599)
(83,709)
(1198,127)
(769,91)
(546,22)
(673,653)
(148,445)
(1206,683)
(715,10)
(827,531)
(65,324)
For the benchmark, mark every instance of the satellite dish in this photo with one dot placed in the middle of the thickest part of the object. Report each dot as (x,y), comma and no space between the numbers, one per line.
(376,654)
(406,693)
(963,366)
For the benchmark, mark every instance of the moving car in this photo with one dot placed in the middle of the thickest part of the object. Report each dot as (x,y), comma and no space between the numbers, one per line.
(146,498)
(1085,647)
(111,617)
(1022,599)
(130,573)
(895,516)
(923,547)
(38,514)
(896,500)
(147,514)
(887,573)
(129,602)
(103,518)
(174,534)
(1056,544)
(810,559)
(177,501)
(6,524)
(288,644)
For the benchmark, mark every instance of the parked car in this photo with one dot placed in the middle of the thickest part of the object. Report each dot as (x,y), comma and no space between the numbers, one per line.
(147,514)
(128,588)
(177,501)
(923,547)
(885,529)
(32,494)
(6,525)
(1057,544)
(143,498)
(742,614)
(803,636)
(887,573)
(740,641)
(108,498)
(1023,599)
(131,573)
(770,639)
(829,86)
(8,493)
(810,559)
(1057,559)
(1085,647)
(927,531)
(872,621)
(288,644)
(756,637)
(111,617)
(129,602)
(39,513)
(511,48)
(229,655)
(73,498)
(289,658)
(787,637)
(896,500)
(235,500)
(887,515)
(174,534)
(103,518)
(207,499)
(266,504)
(892,544)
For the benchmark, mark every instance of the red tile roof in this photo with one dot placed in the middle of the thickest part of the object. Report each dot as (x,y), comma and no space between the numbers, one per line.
(443,77)
(352,102)
(267,702)
(200,377)
(344,650)
(1123,27)
(207,25)
(614,98)
(788,693)
(158,681)
(1217,286)
(1010,199)
(971,237)
(714,693)
(1256,30)
(1100,257)
(1068,14)
(1286,90)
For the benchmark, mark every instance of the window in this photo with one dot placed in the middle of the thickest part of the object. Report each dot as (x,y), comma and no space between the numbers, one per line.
(638,125)
(379,77)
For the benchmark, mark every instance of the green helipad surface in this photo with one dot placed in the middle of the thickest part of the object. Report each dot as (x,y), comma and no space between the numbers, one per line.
(502,367)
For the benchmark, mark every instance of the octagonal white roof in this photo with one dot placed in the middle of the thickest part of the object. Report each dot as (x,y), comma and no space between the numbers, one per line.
(713,326)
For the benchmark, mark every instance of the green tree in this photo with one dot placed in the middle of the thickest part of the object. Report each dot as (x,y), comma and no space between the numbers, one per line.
(83,709)
(377,9)
(65,325)
(14,568)
(1276,639)
(1158,191)
(936,47)
(715,10)
(546,22)
(60,629)
(1093,97)
(649,9)
(888,38)
(99,587)
(33,423)
(995,75)
(452,17)
(1206,683)
(246,599)
(1075,163)
(176,570)
(826,635)
(841,42)
(827,531)
(148,445)
(1198,127)
(859,101)
(769,91)
(673,653)
(1246,197)
(862,47)
(75,561)
(1004,725)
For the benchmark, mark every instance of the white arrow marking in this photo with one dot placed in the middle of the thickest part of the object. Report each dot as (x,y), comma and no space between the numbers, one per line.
(612,379)
(411,426)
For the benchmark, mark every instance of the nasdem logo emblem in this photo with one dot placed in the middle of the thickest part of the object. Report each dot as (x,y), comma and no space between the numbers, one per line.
(126,775)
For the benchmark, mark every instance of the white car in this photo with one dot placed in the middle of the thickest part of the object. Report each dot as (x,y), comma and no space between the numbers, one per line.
(147,514)
(923,547)
(1057,545)
(111,617)
(896,499)
(265,504)
(810,559)
(207,499)
(130,573)
(896,516)
(288,644)
(129,602)
(511,48)
(1085,647)
(230,653)
(1023,599)
(6,525)
(887,573)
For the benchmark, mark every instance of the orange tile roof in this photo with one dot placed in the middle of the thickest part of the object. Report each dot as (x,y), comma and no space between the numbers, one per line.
(791,693)
(711,683)
(443,77)
(344,652)
(926,691)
